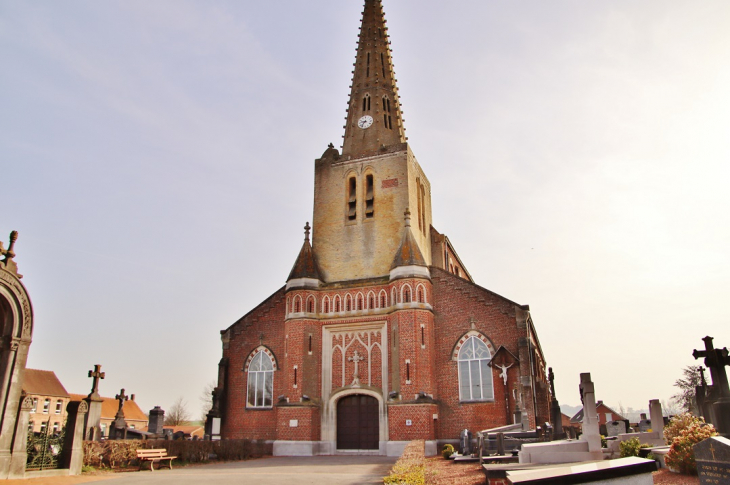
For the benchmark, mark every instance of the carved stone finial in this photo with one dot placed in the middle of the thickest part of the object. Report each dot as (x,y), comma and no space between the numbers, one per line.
(407,215)
(330,145)
(307,228)
(8,262)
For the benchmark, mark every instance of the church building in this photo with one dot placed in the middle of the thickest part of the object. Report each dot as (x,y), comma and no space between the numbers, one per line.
(380,335)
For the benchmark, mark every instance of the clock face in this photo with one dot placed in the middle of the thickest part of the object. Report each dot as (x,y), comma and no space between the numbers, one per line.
(365,122)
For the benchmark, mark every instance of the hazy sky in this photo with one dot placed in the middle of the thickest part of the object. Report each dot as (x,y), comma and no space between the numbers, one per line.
(157,159)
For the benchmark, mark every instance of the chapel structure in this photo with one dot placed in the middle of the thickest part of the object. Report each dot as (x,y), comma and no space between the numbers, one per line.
(380,335)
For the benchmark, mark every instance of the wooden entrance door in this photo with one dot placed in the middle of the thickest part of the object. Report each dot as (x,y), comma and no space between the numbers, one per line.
(358,423)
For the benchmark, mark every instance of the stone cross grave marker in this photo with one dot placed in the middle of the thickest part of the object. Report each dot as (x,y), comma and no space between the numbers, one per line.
(716,360)
(96,374)
(465,442)
(713,460)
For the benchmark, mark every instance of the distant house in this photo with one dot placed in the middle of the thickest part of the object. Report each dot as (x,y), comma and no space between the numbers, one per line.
(134,416)
(570,429)
(49,400)
(605,415)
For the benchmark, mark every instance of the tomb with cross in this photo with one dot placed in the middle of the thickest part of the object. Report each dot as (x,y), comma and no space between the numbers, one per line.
(118,429)
(718,403)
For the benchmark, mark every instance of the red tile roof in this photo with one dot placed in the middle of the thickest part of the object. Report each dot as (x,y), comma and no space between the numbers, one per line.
(109,407)
(43,383)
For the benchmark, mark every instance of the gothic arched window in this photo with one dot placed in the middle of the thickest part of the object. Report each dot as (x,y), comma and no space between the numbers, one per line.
(260,382)
(475,374)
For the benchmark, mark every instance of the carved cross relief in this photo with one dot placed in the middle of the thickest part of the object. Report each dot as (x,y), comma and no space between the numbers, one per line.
(367,341)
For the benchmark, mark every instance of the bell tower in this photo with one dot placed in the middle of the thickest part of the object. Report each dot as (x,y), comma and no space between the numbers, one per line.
(361,194)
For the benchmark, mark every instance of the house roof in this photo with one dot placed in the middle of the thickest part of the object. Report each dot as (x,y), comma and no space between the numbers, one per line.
(109,406)
(191,430)
(600,408)
(43,383)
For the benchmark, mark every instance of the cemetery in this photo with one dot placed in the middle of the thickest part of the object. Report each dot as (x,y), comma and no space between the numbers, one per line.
(378,344)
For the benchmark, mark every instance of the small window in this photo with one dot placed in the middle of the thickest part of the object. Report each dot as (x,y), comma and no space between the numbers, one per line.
(59,404)
(382,63)
(407,295)
(132,426)
(30,426)
(369,197)
(260,381)
(326,305)
(310,305)
(366,103)
(46,406)
(383,300)
(297,305)
(367,68)
(348,303)
(337,304)
(359,302)
(35,405)
(103,429)
(420,294)
(56,427)
(352,199)
(371,302)
(43,427)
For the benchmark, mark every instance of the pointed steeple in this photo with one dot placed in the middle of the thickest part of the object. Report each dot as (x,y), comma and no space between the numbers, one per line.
(408,261)
(374,117)
(305,272)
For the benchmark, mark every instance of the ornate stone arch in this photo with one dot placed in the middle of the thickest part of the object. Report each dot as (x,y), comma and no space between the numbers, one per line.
(471,333)
(16,311)
(267,351)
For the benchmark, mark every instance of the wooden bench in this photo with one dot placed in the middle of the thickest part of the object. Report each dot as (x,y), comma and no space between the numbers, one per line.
(154,455)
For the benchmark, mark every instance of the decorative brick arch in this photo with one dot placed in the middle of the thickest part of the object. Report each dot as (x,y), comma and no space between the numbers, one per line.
(465,337)
(297,306)
(311,305)
(393,296)
(348,303)
(382,299)
(326,304)
(421,294)
(264,349)
(406,289)
(371,302)
(337,304)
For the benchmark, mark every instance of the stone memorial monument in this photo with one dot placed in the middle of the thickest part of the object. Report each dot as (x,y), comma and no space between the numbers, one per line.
(118,429)
(93,417)
(713,460)
(465,438)
(615,428)
(719,407)
(157,420)
(16,330)
(556,415)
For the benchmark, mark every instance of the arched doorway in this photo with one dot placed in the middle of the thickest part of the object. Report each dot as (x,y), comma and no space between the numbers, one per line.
(358,426)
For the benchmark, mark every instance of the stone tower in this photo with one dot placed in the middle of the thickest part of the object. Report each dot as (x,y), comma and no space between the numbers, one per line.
(360,195)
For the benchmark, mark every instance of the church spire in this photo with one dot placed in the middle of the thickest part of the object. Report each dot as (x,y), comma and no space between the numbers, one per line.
(305,271)
(374,117)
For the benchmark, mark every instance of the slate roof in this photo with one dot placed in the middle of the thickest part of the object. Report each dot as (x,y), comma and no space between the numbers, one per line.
(578,418)
(305,265)
(43,383)
(408,253)
(110,405)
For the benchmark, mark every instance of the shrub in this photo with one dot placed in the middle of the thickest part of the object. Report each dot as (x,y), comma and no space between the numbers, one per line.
(631,447)
(678,424)
(123,453)
(447,451)
(604,442)
(681,457)
(410,469)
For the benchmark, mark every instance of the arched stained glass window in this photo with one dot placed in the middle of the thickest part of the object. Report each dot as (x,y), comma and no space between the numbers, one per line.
(260,381)
(475,374)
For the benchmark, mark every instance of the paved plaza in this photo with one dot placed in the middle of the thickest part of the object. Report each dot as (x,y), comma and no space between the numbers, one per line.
(321,470)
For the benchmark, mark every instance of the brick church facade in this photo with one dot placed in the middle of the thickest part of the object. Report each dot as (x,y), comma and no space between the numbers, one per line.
(380,335)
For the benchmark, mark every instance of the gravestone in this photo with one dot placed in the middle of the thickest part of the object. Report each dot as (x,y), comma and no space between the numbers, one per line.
(644,425)
(118,429)
(157,419)
(615,428)
(465,442)
(92,426)
(657,417)
(716,360)
(590,416)
(713,460)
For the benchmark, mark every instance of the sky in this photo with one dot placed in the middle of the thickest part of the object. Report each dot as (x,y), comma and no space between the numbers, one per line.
(157,161)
